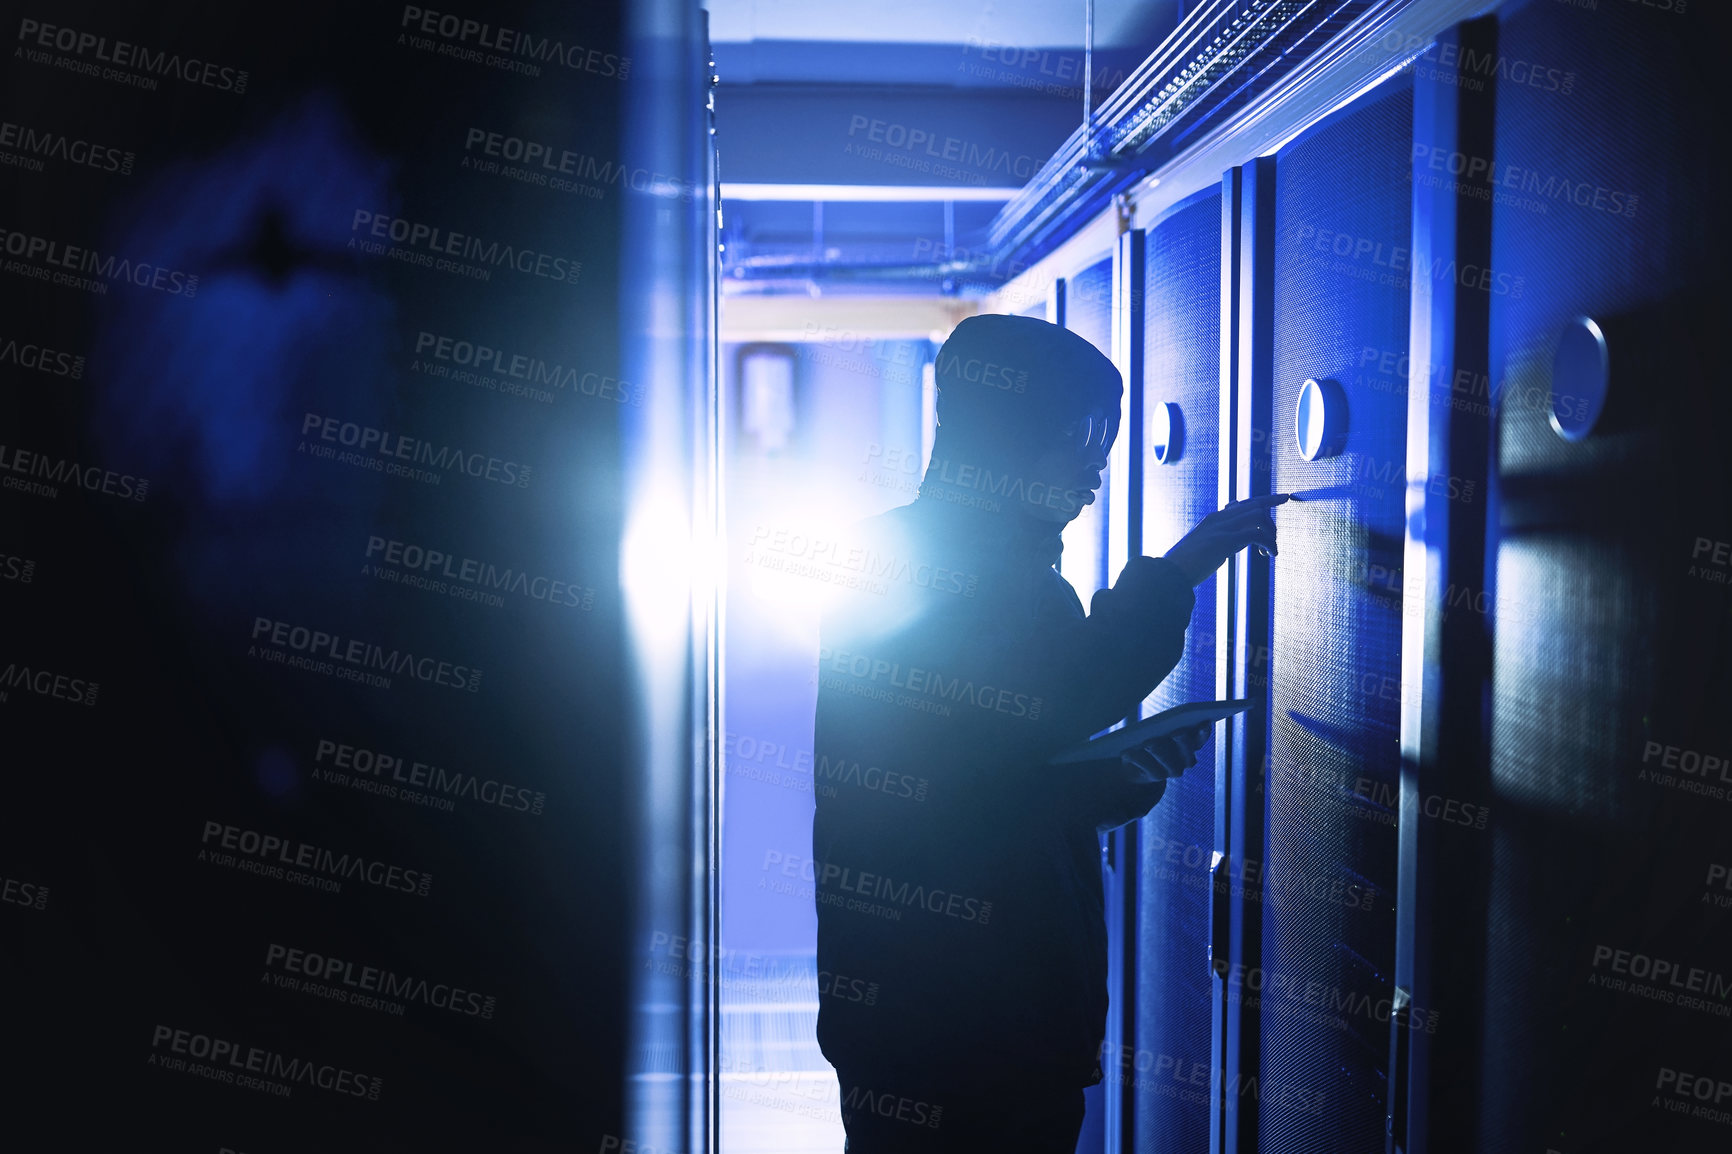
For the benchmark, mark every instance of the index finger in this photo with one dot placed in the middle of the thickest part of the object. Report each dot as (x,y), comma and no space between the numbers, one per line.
(1256,504)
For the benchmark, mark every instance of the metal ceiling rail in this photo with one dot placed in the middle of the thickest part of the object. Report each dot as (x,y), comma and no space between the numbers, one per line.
(1225,56)
(1232,78)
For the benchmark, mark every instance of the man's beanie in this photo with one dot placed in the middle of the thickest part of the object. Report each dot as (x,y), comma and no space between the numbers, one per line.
(1010,377)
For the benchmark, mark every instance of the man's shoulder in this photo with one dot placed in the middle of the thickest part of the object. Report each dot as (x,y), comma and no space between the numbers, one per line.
(898,532)
(901,519)
(894,564)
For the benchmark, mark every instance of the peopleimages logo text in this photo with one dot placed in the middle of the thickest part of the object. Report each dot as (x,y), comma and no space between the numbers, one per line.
(47,683)
(441,241)
(234,1059)
(282,851)
(37,251)
(353,651)
(51,471)
(27,355)
(468,570)
(122,54)
(511,42)
(46,144)
(385,444)
(532,370)
(375,980)
(17,892)
(422,775)
(928,681)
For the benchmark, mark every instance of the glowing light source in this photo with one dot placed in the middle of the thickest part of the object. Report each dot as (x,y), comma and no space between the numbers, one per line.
(663,565)
(799,557)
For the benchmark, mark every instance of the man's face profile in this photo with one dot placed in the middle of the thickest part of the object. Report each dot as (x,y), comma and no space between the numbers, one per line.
(1064,477)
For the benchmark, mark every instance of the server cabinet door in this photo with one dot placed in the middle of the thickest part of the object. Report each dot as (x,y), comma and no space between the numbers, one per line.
(1166,1069)
(1596,1018)
(1084,304)
(1340,332)
(1088,312)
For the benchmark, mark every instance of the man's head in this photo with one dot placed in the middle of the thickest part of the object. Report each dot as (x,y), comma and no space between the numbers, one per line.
(1030,400)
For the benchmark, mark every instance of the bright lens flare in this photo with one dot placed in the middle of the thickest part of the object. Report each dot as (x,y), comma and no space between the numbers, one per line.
(799,559)
(666,570)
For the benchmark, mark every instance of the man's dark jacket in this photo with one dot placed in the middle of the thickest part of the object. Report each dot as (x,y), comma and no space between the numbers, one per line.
(961,928)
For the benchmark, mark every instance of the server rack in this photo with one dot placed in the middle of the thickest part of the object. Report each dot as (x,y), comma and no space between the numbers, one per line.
(1446,655)
(1483,642)
(1342,226)
(1088,312)
(1301,855)
(1161,1060)
(1086,303)
(1607,638)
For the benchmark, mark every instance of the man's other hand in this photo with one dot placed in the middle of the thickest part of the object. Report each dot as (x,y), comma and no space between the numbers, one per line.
(1170,756)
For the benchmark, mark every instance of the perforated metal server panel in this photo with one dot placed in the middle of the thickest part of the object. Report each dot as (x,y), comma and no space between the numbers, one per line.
(1609,634)
(1342,234)
(1089,305)
(1182,365)
(1089,314)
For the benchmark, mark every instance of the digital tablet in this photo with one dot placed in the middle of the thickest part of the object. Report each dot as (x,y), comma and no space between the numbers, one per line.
(1168,721)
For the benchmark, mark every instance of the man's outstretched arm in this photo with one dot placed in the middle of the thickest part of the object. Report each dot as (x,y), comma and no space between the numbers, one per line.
(1104,663)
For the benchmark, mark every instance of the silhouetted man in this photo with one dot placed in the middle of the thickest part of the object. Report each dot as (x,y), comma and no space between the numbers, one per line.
(961,928)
